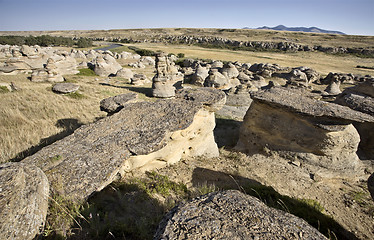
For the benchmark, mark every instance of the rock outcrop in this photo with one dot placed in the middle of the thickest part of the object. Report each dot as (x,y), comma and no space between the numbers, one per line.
(198,78)
(216,79)
(141,136)
(125,73)
(114,104)
(237,103)
(24,192)
(164,80)
(318,132)
(361,98)
(232,215)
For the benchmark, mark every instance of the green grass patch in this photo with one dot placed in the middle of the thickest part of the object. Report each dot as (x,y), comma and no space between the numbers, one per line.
(86,72)
(121,49)
(4,89)
(75,95)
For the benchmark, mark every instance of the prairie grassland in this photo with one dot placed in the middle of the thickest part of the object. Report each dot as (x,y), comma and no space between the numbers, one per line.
(322,62)
(35,116)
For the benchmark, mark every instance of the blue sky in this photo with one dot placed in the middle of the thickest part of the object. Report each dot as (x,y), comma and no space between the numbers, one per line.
(349,16)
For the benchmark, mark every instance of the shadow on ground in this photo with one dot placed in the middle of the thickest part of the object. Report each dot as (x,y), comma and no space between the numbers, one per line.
(144,90)
(69,125)
(306,209)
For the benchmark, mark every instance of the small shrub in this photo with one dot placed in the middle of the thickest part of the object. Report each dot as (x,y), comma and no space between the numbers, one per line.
(4,89)
(84,43)
(180,55)
(86,72)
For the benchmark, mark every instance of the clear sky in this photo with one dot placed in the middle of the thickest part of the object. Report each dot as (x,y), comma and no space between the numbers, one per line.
(349,16)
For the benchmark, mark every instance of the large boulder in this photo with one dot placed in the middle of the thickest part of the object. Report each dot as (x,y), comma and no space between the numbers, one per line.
(105,66)
(198,78)
(216,80)
(125,73)
(319,133)
(24,192)
(141,136)
(65,88)
(232,215)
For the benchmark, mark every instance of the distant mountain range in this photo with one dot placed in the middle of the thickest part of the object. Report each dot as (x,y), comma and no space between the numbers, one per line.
(299,29)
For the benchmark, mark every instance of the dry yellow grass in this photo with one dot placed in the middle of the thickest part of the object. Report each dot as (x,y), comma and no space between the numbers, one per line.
(35,116)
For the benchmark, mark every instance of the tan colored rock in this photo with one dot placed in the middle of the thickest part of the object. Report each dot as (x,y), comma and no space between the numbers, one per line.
(216,80)
(322,133)
(198,78)
(164,79)
(24,192)
(105,66)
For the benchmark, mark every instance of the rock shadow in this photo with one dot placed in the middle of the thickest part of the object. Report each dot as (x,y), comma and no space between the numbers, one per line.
(144,90)
(226,132)
(308,210)
(120,211)
(69,125)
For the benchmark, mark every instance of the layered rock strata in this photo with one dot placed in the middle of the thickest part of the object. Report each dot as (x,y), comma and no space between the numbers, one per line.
(319,133)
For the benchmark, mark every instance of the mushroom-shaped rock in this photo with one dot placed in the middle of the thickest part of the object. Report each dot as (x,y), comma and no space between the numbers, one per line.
(65,88)
(114,104)
(322,132)
(232,215)
(333,89)
(164,79)
(24,192)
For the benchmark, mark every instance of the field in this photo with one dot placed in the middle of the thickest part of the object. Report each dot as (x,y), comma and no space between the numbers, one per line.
(35,117)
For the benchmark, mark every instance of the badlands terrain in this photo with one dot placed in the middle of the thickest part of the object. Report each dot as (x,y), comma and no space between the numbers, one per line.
(125,143)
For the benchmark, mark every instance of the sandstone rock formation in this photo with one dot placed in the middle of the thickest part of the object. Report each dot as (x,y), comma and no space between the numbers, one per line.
(50,73)
(143,135)
(344,78)
(139,79)
(125,73)
(333,89)
(320,133)
(164,79)
(232,215)
(105,66)
(216,80)
(65,88)
(114,104)
(361,98)
(237,103)
(198,78)
(24,192)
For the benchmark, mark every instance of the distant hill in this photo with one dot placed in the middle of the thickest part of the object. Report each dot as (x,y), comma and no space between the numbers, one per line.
(299,29)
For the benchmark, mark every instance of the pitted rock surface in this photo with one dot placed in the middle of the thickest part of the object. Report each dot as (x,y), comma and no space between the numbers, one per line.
(214,99)
(24,191)
(114,104)
(295,102)
(89,159)
(232,215)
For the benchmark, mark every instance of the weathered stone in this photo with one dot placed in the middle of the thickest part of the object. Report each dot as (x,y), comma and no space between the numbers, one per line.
(217,64)
(24,192)
(333,89)
(125,73)
(238,101)
(216,80)
(114,104)
(164,79)
(65,88)
(258,81)
(211,98)
(105,66)
(297,78)
(139,80)
(198,78)
(285,120)
(232,215)
(230,71)
(91,157)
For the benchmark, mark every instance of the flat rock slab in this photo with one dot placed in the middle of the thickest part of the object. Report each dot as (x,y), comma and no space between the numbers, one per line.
(210,97)
(65,87)
(232,215)
(89,159)
(114,104)
(295,102)
(24,192)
